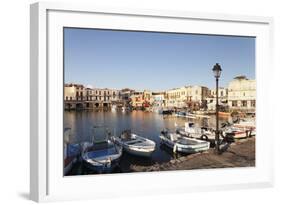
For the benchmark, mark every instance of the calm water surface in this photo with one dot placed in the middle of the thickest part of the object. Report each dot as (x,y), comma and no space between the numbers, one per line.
(146,124)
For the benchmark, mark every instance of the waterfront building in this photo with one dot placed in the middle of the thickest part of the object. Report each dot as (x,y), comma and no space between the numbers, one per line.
(126,93)
(74,92)
(125,96)
(74,96)
(176,97)
(197,93)
(242,94)
(103,97)
(148,99)
(158,99)
(187,96)
(222,98)
(137,99)
(77,96)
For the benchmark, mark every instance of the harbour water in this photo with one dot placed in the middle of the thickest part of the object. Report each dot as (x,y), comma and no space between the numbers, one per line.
(146,124)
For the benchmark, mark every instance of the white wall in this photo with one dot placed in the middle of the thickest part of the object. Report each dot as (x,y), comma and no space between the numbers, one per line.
(14,103)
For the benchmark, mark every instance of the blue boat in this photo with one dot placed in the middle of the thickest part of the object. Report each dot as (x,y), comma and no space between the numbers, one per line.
(103,154)
(71,152)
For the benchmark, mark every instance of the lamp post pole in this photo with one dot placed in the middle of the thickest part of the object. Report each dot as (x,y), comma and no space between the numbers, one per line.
(217,116)
(217,72)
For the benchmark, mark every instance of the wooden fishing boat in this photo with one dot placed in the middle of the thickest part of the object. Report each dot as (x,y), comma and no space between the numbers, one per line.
(183,144)
(135,144)
(102,155)
(191,131)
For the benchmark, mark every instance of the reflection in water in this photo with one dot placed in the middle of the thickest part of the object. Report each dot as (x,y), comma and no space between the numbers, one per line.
(146,124)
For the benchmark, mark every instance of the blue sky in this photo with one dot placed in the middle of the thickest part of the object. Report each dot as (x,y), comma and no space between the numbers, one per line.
(152,60)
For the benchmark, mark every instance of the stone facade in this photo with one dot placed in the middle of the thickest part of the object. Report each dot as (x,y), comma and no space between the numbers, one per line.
(222,98)
(242,94)
(137,99)
(77,96)
(158,99)
(186,96)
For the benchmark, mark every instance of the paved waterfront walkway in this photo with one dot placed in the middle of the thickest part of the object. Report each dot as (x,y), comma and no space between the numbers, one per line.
(239,154)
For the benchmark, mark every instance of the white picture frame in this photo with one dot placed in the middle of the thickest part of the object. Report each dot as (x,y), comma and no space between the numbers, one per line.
(46,179)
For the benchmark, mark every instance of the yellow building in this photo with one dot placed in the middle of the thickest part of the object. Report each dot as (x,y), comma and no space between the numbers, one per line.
(74,92)
(74,96)
(182,97)
(176,97)
(197,93)
(81,97)
(242,94)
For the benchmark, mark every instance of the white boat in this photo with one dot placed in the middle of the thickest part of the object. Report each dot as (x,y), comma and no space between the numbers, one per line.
(208,134)
(71,152)
(183,144)
(135,144)
(190,115)
(101,155)
(238,132)
(185,114)
(202,133)
(242,128)
(248,125)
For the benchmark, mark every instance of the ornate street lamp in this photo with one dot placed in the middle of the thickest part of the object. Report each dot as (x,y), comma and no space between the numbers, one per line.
(217,73)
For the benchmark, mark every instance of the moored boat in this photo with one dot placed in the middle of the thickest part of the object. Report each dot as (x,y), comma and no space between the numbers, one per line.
(191,131)
(71,152)
(185,114)
(239,133)
(183,144)
(135,144)
(167,112)
(101,155)
(224,114)
(246,124)
(241,128)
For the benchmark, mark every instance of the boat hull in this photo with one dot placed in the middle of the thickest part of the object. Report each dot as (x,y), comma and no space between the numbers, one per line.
(139,153)
(108,168)
(188,149)
(142,150)
(200,136)
(101,160)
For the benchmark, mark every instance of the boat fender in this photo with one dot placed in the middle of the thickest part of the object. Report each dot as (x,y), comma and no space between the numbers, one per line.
(204,137)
